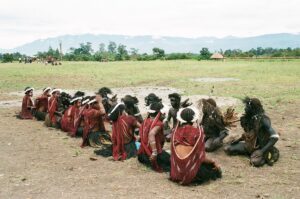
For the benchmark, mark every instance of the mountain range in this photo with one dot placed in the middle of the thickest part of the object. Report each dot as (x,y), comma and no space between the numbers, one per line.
(170,44)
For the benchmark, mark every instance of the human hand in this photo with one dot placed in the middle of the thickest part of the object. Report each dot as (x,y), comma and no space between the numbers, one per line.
(153,158)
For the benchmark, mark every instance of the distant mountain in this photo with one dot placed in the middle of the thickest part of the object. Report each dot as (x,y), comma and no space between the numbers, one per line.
(169,44)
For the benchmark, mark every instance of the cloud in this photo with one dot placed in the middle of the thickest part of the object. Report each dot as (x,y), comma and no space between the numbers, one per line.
(24,21)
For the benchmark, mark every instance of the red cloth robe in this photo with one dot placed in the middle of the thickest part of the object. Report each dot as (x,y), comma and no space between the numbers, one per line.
(52,107)
(185,169)
(70,120)
(145,128)
(92,120)
(41,103)
(145,147)
(26,108)
(122,129)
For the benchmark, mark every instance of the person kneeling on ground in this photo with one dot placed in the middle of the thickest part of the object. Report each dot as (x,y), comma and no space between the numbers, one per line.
(94,133)
(151,151)
(69,121)
(259,138)
(27,104)
(216,125)
(123,127)
(189,163)
(41,104)
(53,117)
(80,119)
(175,100)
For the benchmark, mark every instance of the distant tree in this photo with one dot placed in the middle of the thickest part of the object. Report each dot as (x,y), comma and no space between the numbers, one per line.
(7,57)
(86,49)
(17,55)
(205,54)
(158,53)
(112,46)
(101,47)
(259,51)
(122,53)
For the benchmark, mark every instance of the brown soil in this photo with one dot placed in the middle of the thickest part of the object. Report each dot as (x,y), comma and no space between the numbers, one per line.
(39,162)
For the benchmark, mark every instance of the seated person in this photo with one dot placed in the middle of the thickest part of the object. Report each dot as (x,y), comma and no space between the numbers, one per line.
(27,104)
(259,138)
(189,162)
(41,104)
(151,151)
(53,117)
(175,100)
(213,124)
(123,140)
(69,121)
(94,133)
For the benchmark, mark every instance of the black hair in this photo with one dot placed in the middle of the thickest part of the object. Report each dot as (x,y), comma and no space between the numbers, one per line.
(64,101)
(113,116)
(79,94)
(156,106)
(104,91)
(187,114)
(175,95)
(26,89)
(129,100)
(151,98)
(254,104)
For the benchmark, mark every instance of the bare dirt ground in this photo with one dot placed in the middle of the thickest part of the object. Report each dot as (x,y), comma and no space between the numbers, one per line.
(39,162)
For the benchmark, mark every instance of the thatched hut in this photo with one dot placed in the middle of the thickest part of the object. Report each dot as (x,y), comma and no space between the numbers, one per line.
(217,56)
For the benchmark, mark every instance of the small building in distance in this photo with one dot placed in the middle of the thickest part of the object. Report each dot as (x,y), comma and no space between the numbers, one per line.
(217,56)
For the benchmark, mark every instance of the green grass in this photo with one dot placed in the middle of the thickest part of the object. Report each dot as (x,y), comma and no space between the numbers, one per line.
(274,81)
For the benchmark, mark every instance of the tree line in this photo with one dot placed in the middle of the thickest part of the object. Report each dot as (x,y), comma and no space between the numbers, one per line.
(114,52)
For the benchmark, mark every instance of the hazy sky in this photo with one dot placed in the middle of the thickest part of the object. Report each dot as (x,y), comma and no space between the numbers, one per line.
(22,21)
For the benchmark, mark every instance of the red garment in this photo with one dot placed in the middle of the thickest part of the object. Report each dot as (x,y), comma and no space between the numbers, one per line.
(122,129)
(185,169)
(41,103)
(26,108)
(52,107)
(69,121)
(145,128)
(92,121)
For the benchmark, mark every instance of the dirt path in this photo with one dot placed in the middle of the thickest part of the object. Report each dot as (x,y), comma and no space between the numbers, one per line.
(38,162)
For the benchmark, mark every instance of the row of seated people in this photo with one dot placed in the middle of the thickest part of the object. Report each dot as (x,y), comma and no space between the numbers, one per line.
(195,130)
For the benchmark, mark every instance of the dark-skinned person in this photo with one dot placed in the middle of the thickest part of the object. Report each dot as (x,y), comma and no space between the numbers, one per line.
(259,139)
